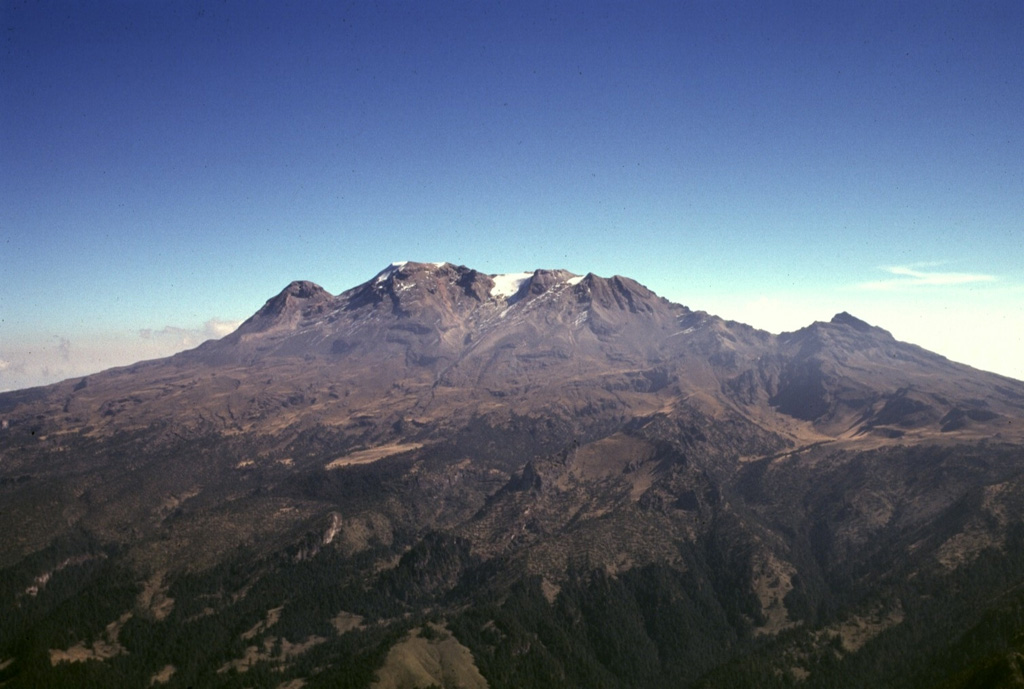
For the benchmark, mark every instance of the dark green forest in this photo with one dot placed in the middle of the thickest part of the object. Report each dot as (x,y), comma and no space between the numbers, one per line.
(653,626)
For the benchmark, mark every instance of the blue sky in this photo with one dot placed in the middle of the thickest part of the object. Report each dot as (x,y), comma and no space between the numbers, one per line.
(166,167)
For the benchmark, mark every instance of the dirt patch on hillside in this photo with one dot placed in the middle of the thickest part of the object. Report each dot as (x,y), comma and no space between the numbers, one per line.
(273,615)
(373,454)
(164,676)
(772,581)
(346,622)
(274,650)
(100,649)
(292,684)
(611,456)
(153,601)
(439,660)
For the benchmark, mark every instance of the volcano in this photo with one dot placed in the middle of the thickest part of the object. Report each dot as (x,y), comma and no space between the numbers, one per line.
(444,477)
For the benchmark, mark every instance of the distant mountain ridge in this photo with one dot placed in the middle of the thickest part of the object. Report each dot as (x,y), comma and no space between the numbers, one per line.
(541,477)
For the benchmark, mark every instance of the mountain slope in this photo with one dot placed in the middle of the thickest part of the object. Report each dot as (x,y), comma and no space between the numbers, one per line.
(581,482)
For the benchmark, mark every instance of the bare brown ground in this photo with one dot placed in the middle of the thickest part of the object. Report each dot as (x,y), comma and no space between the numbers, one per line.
(255,654)
(373,454)
(346,622)
(100,649)
(153,600)
(417,662)
(164,676)
(273,615)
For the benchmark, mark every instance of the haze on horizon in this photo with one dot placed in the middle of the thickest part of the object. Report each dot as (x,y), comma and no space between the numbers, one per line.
(167,167)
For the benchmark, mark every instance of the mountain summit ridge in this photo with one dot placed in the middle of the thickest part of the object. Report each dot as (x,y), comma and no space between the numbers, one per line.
(457,339)
(507,286)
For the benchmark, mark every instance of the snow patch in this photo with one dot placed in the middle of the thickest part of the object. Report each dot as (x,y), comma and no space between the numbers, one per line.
(398,265)
(508,284)
(574,280)
(392,267)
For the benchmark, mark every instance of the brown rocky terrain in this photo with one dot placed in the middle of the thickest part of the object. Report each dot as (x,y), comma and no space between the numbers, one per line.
(579,483)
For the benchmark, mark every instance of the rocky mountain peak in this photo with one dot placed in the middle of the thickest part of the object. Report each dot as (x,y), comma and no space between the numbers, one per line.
(408,283)
(543,280)
(296,295)
(403,270)
(304,289)
(286,308)
(844,331)
(845,318)
(620,293)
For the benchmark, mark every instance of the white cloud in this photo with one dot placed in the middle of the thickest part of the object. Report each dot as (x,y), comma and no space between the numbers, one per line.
(58,357)
(184,338)
(217,328)
(913,276)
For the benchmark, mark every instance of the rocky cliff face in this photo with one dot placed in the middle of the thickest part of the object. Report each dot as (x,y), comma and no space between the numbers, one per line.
(551,468)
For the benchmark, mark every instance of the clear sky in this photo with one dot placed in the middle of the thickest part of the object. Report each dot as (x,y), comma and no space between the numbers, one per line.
(166,167)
